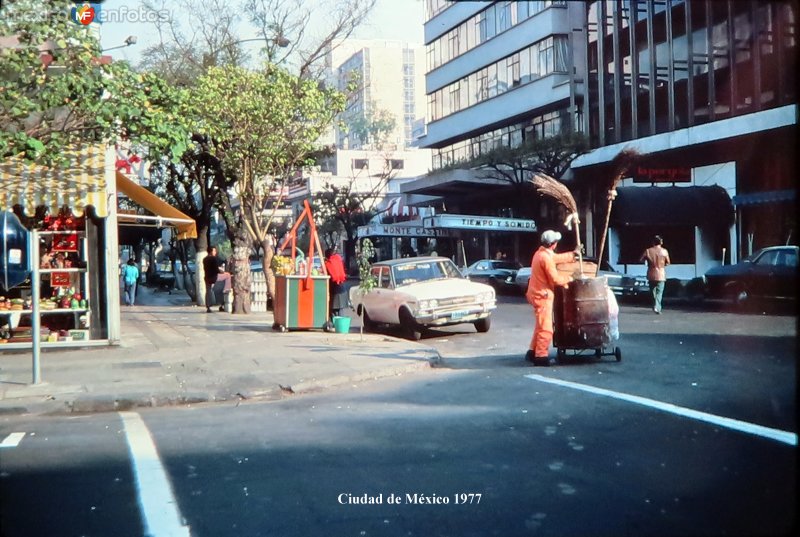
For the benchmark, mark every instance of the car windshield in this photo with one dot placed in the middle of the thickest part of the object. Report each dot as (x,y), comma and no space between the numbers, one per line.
(506,265)
(421,271)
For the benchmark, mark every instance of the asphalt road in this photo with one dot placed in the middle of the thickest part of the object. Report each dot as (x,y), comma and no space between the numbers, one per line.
(504,448)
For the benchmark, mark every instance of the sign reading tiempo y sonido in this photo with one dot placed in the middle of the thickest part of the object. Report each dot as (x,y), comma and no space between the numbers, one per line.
(482,223)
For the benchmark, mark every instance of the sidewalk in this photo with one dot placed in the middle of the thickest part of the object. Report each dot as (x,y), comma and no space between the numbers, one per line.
(173,353)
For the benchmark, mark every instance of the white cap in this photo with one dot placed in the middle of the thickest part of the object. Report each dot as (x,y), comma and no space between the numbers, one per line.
(549,237)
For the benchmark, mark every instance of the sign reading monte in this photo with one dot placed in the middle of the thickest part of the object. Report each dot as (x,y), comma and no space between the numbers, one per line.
(480,223)
(400,230)
(672,174)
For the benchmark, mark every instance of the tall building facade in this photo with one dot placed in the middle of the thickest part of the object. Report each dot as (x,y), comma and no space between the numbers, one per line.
(705,91)
(498,73)
(390,79)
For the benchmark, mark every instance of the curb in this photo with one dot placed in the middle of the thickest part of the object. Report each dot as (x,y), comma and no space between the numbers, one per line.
(318,385)
(88,404)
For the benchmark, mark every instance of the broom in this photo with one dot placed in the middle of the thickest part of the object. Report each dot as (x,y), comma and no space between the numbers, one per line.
(622,162)
(548,186)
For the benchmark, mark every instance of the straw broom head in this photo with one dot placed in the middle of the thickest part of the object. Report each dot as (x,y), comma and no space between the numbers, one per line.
(621,163)
(547,186)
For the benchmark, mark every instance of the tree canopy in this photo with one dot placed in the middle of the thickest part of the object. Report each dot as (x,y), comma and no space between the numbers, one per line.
(57,90)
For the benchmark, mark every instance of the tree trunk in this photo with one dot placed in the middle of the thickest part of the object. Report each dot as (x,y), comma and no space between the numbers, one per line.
(266,261)
(201,247)
(240,271)
(350,252)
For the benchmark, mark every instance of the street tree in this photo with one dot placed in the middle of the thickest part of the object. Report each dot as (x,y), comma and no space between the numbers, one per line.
(267,122)
(550,155)
(57,91)
(190,43)
(372,129)
(350,202)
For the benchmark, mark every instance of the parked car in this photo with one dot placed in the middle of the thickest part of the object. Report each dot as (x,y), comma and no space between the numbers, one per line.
(164,277)
(769,273)
(421,292)
(497,273)
(620,284)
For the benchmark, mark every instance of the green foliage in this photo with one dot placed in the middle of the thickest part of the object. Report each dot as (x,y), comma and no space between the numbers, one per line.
(374,127)
(551,155)
(266,123)
(364,255)
(55,92)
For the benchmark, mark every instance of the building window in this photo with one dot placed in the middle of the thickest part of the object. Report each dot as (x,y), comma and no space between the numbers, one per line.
(540,59)
(503,17)
(360,164)
(484,26)
(396,164)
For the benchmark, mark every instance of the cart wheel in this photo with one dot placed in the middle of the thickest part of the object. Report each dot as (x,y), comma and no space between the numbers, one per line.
(618,353)
(561,354)
(327,326)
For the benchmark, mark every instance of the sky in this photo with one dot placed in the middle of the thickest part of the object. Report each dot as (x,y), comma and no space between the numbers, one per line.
(400,20)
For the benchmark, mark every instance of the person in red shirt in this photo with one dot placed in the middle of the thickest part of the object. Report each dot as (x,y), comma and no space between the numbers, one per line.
(337,297)
(541,293)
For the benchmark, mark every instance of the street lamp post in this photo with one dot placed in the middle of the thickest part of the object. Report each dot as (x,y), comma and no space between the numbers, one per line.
(130,40)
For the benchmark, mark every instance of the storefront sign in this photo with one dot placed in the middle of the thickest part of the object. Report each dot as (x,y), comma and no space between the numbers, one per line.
(60,279)
(401,230)
(675,174)
(480,223)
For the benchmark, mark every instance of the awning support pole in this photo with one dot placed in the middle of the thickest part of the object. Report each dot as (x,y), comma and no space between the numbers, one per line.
(36,319)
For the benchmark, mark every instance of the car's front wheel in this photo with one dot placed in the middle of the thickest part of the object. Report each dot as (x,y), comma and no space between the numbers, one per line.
(738,296)
(483,325)
(412,330)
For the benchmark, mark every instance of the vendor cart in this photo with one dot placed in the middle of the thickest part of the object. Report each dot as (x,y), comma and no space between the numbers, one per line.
(301,302)
(581,319)
(301,298)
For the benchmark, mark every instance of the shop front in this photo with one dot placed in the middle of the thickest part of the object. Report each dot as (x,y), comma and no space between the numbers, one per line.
(486,237)
(407,239)
(74,225)
(696,223)
(463,238)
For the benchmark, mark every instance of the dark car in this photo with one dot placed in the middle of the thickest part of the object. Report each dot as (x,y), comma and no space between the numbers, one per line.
(620,284)
(769,273)
(497,273)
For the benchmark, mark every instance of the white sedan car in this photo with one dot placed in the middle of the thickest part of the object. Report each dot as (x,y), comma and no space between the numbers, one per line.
(421,292)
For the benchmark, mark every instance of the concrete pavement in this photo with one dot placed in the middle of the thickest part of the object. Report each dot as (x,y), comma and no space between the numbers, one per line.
(173,353)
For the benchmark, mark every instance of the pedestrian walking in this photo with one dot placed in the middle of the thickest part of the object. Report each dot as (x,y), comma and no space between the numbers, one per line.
(130,276)
(657,259)
(212,267)
(337,299)
(541,293)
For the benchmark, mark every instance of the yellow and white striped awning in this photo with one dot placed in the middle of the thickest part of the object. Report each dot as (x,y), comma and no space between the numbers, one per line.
(80,183)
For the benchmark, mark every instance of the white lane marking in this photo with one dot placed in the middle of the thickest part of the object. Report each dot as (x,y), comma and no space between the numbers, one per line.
(759,430)
(157,501)
(12,440)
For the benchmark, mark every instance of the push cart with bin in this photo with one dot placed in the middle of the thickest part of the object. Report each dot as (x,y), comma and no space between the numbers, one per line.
(581,321)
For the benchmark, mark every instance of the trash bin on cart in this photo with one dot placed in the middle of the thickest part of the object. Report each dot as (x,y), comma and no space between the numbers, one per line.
(581,319)
(301,302)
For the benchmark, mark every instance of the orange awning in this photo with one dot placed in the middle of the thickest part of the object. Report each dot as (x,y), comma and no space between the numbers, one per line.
(186,226)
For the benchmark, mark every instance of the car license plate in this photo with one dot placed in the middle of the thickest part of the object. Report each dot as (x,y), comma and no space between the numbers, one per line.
(458,314)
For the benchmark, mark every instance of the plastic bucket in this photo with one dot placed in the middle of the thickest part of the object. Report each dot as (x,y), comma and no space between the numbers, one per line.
(341,324)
